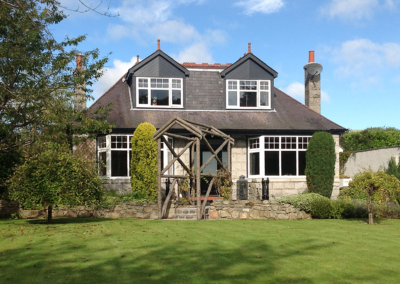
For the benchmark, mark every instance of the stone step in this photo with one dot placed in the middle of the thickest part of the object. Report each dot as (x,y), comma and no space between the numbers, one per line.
(188,213)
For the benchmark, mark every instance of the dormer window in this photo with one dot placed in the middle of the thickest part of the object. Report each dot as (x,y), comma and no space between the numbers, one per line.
(159,92)
(249,94)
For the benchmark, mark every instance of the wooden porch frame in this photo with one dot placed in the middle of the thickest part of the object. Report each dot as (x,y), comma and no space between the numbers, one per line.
(200,131)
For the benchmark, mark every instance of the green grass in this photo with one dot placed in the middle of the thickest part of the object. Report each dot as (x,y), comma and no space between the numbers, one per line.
(144,251)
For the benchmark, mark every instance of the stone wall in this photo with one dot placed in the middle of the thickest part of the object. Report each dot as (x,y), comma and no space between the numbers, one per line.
(262,210)
(141,210)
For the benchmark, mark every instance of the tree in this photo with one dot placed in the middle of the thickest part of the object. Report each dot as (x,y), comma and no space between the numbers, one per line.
(55,177)
(144,160)
(320,164)
(37,77)
(393,169)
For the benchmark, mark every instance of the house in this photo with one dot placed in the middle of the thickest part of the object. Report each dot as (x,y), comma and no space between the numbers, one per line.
(270,128)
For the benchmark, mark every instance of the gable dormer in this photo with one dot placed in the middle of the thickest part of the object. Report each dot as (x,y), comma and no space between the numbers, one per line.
(157,81)
(249,84)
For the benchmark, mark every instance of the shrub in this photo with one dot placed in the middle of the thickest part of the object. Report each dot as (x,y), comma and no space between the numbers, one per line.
(321,208)
(144,161)
(302,201)
(54,177)
(393,169)
(320,164)
(387,187)
(370,138)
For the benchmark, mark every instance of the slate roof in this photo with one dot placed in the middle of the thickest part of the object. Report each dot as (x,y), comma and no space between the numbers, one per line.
(289,115)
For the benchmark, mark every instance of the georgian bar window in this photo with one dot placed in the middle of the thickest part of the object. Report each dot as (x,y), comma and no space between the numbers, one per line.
(159,92)
(114,155)
(277,156)
(251,94)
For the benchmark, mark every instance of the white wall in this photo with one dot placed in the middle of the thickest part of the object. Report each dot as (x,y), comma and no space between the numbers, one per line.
(376,159)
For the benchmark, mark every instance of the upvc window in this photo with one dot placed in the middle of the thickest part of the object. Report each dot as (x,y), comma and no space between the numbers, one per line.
(114,155)
(159,92)
(277,156)
(250,94)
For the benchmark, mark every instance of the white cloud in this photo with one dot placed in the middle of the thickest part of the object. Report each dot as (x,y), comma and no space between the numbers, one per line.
(144,20)
(111,75)
(260,6)
(197,52)
(355,9)
(364,58)
(297,90)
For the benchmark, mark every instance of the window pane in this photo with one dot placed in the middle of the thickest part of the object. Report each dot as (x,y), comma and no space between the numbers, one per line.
(254,143)
(232,85)
(143,83)
(302,163)
(143,96)
(264,85)
(102,163)
(289,163)
(248,99)
(102,142)
(159,97)
(153,83)
(254,163)
(232,98)
(271,143)
(264,100)
(271,163)
(119,167)
(118,142)
(176,97)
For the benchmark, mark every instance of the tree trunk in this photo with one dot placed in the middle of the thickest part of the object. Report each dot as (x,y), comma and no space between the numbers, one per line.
(370,215)
(49,214)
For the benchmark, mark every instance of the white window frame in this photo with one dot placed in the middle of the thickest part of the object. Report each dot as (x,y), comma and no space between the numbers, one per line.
(164,151)
(261,150)
(237,106)
(170,89)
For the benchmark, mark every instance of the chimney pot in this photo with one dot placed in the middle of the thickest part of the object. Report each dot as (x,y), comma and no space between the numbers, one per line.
(249,48)
(79,61)
(158,44)
(311,56)
(137,59)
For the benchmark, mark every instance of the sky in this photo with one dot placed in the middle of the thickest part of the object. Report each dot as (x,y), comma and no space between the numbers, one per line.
(356,41)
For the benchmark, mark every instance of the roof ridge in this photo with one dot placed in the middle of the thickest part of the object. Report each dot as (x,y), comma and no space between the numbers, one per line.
(308,107)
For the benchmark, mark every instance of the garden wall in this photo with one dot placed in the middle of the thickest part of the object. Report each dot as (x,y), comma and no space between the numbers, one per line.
(375,159)
(262,210)
(141,210)
(219,209)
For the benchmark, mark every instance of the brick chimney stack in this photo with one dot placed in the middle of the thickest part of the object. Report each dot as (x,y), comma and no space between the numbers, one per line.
(312,86)
(80,94)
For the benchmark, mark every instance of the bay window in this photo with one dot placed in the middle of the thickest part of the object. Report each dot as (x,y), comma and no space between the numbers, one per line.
(114,154)
(159,92)
(277,156)
(250,94)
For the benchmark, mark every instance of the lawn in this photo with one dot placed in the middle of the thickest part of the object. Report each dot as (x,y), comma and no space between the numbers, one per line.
(145,251)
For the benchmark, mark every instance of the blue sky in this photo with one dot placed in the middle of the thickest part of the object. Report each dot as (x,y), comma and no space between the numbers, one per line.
(356,41)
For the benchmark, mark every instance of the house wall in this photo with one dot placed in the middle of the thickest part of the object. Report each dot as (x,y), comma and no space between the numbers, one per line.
(278,187)
(376,159)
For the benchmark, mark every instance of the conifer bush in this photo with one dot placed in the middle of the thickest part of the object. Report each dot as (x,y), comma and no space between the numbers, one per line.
(320,164)
(144,161)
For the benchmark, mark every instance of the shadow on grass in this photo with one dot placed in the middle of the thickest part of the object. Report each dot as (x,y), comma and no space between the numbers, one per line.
(174,261)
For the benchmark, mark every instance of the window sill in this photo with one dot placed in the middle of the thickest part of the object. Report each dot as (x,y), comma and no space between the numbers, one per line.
(157,107)
(249,108)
